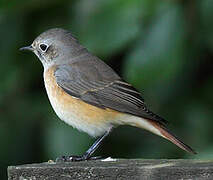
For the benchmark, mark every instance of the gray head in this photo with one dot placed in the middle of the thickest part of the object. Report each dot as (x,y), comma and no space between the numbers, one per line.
(56,46)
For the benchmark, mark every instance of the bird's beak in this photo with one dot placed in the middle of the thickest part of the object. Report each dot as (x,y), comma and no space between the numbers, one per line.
(29,48)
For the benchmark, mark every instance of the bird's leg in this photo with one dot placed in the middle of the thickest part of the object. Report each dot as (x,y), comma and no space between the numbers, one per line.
(88,153)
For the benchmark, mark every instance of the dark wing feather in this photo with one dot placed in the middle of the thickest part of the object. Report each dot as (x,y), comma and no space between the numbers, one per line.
(92,88)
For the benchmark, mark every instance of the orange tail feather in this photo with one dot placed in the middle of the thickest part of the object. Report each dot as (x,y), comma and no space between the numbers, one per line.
(171,137)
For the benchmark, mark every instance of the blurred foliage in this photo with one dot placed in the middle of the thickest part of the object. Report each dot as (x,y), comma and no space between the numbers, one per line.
(164,48)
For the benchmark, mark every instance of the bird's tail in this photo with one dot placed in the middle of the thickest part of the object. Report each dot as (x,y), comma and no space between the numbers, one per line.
(160,129)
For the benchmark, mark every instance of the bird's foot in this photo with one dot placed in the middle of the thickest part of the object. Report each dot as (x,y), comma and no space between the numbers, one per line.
(76,158)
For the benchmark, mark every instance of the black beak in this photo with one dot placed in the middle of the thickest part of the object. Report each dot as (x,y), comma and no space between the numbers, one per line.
(29,48)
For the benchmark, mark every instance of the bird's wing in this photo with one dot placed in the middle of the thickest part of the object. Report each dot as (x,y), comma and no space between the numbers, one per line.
(96,88)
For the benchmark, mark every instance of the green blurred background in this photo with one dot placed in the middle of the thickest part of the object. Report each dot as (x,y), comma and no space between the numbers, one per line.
(164,48)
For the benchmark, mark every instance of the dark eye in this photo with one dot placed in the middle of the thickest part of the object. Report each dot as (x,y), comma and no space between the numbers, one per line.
(43,47)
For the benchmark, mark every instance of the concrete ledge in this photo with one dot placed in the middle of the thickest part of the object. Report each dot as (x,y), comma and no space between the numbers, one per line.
(120,169)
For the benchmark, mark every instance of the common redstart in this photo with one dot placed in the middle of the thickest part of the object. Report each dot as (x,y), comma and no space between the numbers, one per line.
(88,95)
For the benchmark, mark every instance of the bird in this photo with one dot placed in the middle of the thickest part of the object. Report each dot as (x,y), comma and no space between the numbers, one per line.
(89,95)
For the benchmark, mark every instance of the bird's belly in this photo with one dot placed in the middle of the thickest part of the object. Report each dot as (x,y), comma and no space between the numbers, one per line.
(85,117)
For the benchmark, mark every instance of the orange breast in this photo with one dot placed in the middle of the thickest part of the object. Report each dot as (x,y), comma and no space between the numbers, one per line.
(70,109)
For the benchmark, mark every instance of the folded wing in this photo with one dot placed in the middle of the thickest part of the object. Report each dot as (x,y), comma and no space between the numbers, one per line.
(91,86)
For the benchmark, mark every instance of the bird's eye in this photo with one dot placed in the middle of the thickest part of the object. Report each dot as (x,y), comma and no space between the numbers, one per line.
(43,47)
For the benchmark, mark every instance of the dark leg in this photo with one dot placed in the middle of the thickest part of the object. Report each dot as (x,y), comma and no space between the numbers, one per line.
(89,152)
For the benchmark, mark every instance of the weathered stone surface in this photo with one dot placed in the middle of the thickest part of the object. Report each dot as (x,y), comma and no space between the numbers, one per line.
(130,169)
